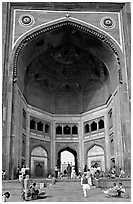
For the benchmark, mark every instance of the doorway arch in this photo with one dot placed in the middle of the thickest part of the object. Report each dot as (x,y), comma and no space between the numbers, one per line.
(39,162)
(71,151)
(95,155)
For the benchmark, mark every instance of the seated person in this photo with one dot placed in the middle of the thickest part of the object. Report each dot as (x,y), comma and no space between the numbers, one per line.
(4,175)
(122,173)
(34,191)
(5,196)
(113,172)
(37,193)
(120,190)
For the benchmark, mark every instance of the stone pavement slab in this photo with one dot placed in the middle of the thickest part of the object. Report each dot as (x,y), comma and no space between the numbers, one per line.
(67,192)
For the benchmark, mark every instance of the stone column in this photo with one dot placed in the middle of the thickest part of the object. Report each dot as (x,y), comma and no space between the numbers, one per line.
(118,146)
(12,140)
(18,115)
(27,139)
(107,143)
(16,132)
(44,128)
(81,145)
(53,151)
(125,127)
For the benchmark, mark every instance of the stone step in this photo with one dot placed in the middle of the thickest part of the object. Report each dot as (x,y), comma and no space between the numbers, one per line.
(15,184)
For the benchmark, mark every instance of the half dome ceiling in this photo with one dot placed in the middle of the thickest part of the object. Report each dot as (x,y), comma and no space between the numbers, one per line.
(64,59)
(66,69)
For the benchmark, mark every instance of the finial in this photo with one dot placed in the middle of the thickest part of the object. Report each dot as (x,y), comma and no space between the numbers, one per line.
(67,15)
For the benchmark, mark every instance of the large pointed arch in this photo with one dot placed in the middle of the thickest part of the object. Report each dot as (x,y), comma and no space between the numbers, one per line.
(83,27)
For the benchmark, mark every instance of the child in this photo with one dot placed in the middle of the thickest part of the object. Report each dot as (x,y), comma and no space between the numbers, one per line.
(5,196)
(85,185)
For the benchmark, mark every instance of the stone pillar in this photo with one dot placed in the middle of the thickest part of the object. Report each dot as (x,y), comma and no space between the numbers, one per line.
(118,146)
(125,127)
(17,127)
(81,145)
(7,71)
(27,139)
(107,143)
(14,131)
(44,127)
(53,151)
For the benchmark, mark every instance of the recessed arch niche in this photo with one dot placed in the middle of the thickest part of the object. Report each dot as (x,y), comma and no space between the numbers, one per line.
(39,162)
(95,155)
(66,68)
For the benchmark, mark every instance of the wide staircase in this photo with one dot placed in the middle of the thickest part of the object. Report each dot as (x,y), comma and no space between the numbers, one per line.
(103,182)
(16,184)
(63,190)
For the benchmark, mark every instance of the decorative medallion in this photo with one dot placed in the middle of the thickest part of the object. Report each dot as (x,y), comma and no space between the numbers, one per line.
(107,22)
(26,20)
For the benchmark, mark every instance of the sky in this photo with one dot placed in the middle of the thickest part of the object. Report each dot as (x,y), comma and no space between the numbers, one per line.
(67,157)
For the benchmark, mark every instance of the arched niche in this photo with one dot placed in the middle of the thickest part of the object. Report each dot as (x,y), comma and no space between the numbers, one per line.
(96,155)
(39,162)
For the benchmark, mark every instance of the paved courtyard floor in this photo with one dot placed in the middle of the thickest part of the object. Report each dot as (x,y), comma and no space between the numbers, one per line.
(66,192)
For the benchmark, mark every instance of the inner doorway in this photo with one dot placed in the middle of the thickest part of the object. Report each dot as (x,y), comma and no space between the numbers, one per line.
(65,156)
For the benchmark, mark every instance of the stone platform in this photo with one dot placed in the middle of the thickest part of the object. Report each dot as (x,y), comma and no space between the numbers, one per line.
(108,182)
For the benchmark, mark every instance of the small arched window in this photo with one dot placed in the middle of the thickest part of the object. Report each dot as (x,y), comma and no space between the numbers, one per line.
(93,126)
(101,124)
(86,128)
(74,130)
(40,126)
(66,130)
(33,124)
(59,130)
(46,128)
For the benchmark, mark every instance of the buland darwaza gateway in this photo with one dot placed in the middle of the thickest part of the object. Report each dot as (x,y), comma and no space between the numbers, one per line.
(66,85)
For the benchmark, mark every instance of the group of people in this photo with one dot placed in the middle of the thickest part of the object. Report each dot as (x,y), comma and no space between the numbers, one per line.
(22,171)
(89,177)
(69,171)
(119,173)
(115,191)
(31,192)
(28,191)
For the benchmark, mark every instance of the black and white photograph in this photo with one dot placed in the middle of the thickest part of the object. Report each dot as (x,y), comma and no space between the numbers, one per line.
(66,101)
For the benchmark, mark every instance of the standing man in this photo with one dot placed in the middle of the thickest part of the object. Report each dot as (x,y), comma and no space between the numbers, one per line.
(26,187)
(56,171)
(69,168)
